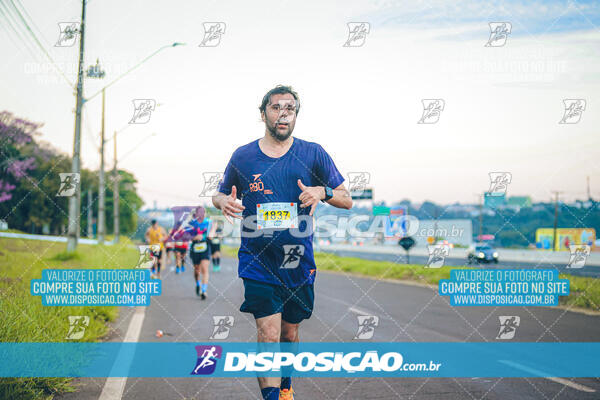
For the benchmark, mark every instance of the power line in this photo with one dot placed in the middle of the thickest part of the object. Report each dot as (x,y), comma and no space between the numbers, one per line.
(36,40)
(28,16)
(5,11)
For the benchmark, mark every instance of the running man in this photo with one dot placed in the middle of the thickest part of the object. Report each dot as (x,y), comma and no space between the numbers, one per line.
(215,248)
(155,235)
(280,180)
(169,248)
(180,250)
(201,227)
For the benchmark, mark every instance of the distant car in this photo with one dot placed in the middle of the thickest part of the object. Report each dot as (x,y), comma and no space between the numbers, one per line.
(482,253)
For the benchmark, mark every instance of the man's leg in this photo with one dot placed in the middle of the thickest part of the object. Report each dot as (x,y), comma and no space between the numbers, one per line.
(158,267)
(197,277)
(183,253)
(177,260)
(216,259)
(204,272)
(269,331)
(289,334)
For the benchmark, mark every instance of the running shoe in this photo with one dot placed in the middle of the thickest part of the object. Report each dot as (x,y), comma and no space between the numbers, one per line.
(203,296)
(286,394)
(197,290)
(177,270)
(216,268)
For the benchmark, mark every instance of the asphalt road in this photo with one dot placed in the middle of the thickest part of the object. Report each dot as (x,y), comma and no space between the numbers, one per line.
(588,270)
(406,313)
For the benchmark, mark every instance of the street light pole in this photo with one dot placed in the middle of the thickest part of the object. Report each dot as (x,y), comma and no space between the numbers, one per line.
(74,201)
(556,193)
(116,192)
(134,67)
(89,214)
(481,216)
(101,188)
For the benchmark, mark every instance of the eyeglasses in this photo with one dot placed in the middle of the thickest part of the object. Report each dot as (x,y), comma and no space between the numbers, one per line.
(277,108)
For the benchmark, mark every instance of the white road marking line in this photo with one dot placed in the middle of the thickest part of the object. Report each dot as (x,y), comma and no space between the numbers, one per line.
(359,311)
(351,308)
(114,387)
(562,381)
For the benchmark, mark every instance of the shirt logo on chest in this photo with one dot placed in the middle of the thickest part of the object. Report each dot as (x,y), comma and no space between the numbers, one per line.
(258,186)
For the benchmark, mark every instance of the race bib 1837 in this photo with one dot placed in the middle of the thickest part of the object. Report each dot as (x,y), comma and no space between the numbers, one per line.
(276,215)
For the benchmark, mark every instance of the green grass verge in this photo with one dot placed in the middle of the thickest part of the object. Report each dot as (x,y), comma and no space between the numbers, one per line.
(584,292)
(24,319)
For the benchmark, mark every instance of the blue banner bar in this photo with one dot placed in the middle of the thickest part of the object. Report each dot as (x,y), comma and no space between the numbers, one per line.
(351,359)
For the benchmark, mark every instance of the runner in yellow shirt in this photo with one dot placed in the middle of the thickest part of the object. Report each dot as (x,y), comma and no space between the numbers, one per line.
(155,236)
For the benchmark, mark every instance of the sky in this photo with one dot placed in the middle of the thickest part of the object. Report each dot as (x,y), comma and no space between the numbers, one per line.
(502,104)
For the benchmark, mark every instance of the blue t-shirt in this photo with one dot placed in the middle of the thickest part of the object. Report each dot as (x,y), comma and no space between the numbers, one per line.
(278,256)
(194,228)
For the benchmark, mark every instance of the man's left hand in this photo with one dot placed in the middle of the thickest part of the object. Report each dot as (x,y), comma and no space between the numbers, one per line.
(310,196)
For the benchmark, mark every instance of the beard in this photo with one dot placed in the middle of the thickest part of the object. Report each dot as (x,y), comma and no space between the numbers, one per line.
(278,136)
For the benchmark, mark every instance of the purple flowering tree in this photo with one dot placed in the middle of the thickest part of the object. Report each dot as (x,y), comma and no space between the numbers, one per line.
(15,135)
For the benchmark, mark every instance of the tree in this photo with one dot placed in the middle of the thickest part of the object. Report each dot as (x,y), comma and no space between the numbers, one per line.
(16,135)
(29,184)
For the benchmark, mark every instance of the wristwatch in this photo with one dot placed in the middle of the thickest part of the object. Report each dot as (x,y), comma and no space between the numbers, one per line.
(328,193)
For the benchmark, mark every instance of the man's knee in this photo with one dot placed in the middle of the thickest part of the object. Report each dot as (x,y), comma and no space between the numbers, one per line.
(289,333)
(269,328)
(268,334)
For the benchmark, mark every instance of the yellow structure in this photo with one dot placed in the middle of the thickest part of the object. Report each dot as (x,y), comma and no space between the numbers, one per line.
(544,237)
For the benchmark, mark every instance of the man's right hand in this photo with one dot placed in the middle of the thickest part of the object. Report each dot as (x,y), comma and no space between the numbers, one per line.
(229,205)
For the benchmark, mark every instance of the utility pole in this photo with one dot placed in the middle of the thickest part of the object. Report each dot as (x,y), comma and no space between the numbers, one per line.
(480,216)
(101,213)
(435,224)
(116,192)
(90,233)
(556,193)
(75,200)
